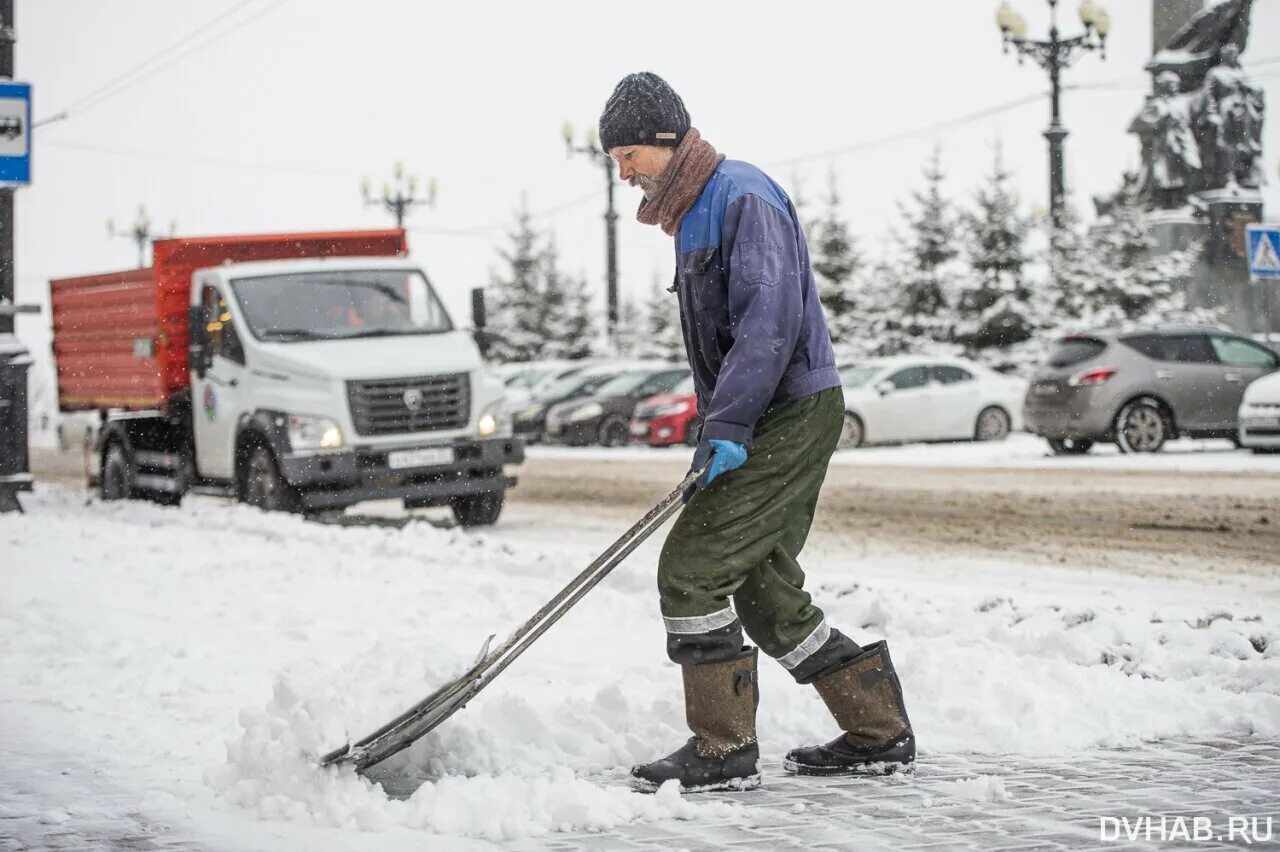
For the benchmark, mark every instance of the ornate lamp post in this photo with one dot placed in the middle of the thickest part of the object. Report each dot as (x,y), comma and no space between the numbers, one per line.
(139,232)
(591,148)
(400,195)
(1053,55)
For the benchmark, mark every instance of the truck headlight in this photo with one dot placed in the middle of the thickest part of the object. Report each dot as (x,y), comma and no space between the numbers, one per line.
(494,420)
(585,412)
(313,433)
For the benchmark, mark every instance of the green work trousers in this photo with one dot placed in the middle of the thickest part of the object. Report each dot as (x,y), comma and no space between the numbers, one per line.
(740,538)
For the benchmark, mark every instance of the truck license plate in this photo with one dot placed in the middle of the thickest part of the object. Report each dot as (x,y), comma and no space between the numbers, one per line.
(420,458)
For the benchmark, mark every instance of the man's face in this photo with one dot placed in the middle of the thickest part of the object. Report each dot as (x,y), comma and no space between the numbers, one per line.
(640,165)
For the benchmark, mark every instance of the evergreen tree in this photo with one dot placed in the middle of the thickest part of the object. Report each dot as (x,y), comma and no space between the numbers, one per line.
(664,339)
(632,331)
(835,261)
(517,315)
(993,306)
(565,322)
(924,274)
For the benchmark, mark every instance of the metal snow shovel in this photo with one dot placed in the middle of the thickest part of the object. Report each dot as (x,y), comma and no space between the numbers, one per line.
(402,731)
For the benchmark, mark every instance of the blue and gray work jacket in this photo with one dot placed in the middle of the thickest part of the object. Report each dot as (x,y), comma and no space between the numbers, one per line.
(753,327)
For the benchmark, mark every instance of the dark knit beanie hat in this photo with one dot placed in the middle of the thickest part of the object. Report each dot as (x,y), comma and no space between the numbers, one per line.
(643,110)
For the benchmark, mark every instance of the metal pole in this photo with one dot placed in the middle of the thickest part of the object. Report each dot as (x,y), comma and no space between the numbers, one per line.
(611,248)
(1056,134)
(6,195)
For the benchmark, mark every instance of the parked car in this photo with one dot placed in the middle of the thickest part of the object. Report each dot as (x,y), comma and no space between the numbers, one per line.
(927,399)
(668,418)
(525,382)
(1259,415)
(604,417)
(1143,388)
(530,423)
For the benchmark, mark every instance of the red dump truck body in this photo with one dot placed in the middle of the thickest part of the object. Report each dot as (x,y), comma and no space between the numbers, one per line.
(120,338)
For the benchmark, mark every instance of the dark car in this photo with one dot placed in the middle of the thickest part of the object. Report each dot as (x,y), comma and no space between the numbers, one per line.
(1142,388)
(530,422)
(604,417)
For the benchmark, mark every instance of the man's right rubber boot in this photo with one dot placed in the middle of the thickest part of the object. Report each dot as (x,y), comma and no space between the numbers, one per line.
(865,697)
(720,702)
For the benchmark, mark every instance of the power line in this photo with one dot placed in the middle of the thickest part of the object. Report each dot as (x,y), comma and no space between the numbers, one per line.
(148,68)
(201,159)
(909,134)
(482,230)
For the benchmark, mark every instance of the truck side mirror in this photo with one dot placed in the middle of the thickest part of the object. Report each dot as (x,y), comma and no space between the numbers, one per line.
(198,341)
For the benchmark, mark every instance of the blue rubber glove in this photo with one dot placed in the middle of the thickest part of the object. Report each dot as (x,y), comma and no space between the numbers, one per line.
(723,455)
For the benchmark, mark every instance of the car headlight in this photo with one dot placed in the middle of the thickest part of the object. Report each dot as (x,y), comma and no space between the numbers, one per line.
(670,409)
(313,433)
(494,421)
(585,412)
(532,412)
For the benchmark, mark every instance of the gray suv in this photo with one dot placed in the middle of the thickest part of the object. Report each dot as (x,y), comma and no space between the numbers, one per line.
(1142,388)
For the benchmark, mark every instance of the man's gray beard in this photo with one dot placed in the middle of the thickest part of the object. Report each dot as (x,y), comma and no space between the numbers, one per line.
(649,186)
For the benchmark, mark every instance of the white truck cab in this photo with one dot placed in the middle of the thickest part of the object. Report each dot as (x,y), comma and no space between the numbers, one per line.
(318,383)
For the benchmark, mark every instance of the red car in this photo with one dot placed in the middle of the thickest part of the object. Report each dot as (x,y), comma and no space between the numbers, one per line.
(668,418)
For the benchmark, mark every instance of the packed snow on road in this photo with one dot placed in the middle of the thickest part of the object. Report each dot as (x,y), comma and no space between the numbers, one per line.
(196,661)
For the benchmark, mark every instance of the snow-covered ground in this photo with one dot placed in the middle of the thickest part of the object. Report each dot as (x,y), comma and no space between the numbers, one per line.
(201,657)
(1017,451)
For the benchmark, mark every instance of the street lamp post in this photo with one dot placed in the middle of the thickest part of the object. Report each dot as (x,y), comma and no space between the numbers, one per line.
(1053,55)
(400,195)
(139,232)
(591,148)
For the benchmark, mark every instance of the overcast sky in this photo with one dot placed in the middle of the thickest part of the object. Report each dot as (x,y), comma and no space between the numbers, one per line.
(271,126)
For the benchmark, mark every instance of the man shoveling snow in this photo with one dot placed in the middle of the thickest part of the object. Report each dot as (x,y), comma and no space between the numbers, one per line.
(772,410)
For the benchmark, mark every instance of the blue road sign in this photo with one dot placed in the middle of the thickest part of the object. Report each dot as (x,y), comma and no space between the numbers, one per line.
(15,134)
(1264,251)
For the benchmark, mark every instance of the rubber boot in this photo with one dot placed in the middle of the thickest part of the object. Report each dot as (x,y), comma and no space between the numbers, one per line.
(720,702)
(865,698)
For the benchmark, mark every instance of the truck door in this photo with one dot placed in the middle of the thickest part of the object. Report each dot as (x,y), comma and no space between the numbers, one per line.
(217,398)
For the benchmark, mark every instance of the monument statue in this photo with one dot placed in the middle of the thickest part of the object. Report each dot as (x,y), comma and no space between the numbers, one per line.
(1201,127)
(1229,124)
(1170,152)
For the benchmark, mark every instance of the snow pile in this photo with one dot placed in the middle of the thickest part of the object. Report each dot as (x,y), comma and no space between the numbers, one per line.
(982,788)
(212,660)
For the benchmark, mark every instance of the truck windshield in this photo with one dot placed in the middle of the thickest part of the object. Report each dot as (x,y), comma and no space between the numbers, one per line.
(340,304)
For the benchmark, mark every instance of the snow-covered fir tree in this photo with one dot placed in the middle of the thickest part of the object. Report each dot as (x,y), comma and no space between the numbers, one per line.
(567,323)
(924,270)
(629,336)
(517,313)
(836,262)
(662,314)
(539,311)
(993,305)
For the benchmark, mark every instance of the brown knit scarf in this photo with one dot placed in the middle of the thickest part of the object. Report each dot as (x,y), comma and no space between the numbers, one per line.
(680,183)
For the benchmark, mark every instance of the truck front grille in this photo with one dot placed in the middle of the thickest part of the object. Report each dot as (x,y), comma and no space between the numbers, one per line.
(425,404)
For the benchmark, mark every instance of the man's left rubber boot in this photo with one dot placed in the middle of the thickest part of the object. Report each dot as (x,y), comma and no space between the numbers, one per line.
(720,702)
(865,697)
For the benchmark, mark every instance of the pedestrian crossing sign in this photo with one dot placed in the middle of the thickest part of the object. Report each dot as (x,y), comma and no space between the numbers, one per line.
(1264,251)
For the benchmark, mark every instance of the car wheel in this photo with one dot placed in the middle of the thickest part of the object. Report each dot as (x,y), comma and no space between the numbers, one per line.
(264,487)
(1070,446)
(852,433)
(477,510)
(116,482)
(993,425)
(1141,427)
(614,432)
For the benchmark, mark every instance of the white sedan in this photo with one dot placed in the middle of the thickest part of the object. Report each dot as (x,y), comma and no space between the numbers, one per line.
(1259,416)
(894,400)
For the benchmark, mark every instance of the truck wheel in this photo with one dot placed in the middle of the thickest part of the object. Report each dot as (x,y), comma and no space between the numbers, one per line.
(477,510)
(116,482)
(265,488)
